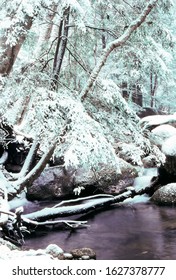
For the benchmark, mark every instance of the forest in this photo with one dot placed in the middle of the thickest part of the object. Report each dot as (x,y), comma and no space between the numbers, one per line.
(87,92)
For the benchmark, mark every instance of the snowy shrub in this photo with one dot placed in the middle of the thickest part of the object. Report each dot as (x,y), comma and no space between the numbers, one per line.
(49,114)
(131,153)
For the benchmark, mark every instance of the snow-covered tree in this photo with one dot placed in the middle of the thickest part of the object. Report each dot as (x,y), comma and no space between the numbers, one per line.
(86,115)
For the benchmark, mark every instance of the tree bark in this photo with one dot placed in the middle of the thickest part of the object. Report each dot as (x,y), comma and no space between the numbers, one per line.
(137,94)
(115,44)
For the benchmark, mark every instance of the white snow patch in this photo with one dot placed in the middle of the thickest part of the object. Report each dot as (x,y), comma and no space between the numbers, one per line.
(137,199)
(161,133)
(169,146)
(157,120)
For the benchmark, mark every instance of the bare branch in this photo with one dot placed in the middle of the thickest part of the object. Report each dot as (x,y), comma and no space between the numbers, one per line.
(81,199)
(69,223)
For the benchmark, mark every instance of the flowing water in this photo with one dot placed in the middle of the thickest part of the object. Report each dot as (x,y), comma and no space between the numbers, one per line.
(137,229)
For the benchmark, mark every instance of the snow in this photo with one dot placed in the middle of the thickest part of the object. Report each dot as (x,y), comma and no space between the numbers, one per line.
(161,133)
(137,199)
(169,146)
(157,120)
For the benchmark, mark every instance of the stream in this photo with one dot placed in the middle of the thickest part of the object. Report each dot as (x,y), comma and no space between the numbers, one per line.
(137,229)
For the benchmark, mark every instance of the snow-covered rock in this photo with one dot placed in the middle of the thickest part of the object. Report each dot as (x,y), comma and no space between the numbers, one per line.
(169,146)
(166,195)
(156,120)
(161,133)
(54,250)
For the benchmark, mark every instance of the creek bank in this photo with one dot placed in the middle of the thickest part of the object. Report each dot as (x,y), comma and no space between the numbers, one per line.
(9,251)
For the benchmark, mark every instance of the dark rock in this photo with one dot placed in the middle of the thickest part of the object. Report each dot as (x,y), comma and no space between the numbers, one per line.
(56,182)
(150,161)
(127,170)
(165,195)
(149,111)
(79,253)
(52,183)
(125,179)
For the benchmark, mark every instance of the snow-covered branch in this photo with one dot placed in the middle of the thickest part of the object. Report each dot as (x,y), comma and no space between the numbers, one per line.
(115,44)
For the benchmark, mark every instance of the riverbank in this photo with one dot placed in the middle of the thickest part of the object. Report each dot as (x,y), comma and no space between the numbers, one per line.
(8,251)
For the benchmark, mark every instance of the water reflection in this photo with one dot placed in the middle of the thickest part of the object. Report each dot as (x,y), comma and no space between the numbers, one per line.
(137,231)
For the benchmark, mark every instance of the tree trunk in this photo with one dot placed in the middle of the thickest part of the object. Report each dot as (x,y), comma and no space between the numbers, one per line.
(9,52)
(27,180)
(61,47)
(137,94)
(153,87)
(115,44)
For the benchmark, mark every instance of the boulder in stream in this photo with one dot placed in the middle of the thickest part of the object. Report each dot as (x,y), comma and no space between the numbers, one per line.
(165,195)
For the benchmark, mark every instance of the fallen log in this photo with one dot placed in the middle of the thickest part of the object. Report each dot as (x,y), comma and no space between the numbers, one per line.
(85,205)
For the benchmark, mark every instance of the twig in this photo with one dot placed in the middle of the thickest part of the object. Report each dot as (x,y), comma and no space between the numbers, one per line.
(47,223)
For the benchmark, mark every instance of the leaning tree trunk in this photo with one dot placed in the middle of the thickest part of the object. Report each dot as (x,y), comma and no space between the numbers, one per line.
(115,44)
